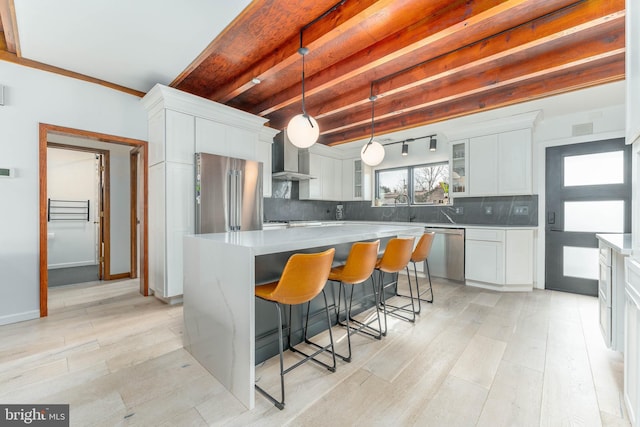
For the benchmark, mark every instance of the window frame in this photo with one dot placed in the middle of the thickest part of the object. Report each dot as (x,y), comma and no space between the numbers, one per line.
(410,179)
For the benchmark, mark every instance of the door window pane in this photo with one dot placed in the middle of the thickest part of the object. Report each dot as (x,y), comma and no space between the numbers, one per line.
(594,169)
(606,216)
(580,262)
(392,186)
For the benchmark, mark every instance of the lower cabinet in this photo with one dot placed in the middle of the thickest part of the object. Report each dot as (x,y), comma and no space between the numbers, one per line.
(632,341)
(499,259)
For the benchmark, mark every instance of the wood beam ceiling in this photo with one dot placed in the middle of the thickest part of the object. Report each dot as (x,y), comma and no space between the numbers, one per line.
(426,61)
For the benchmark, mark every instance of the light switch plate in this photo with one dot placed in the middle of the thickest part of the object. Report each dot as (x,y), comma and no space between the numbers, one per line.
(7,172)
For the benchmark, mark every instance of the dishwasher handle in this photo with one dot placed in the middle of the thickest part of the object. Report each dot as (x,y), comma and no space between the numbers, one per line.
(459,231)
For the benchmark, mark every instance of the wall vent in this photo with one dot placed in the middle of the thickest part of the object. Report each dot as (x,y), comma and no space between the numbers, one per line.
(582,129)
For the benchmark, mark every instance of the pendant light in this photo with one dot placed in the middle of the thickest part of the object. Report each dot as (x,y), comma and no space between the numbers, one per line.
(303,130)
(372,152)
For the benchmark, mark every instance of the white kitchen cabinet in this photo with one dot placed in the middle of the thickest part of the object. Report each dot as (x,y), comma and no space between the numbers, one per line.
(632,341)
(181,124)
(613,249)
(483,165)
(331,177)
(211,137)
(499,164)
(519,258)
(156,133)
(263,154)
(241,143)
(499,259)
(310,163)
(484,256)
(328,184)
(179,137)
(459,168)
(356,180)
(514,162)
(157,229)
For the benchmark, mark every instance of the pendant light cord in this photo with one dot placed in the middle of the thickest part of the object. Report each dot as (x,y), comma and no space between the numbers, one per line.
(372,98)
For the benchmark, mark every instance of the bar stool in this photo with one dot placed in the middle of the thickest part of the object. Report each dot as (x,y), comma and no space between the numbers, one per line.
(420,254)
(395,258)
(303,278)
(358,268)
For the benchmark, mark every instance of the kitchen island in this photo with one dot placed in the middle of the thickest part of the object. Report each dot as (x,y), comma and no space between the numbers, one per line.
(220,274)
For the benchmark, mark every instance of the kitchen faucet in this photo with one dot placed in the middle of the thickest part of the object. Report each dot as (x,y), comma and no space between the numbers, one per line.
(403,198)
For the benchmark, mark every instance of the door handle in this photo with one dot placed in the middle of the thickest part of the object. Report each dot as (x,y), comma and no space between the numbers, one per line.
(551,217)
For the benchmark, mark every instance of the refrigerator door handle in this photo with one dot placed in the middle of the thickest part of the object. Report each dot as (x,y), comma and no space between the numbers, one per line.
(239,189)
(232,202)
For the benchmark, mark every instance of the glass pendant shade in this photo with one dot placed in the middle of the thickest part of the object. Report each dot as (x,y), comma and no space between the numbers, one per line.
(373,155)
(301,133)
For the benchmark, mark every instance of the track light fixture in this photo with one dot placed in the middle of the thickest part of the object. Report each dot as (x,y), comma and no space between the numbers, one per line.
(405,143)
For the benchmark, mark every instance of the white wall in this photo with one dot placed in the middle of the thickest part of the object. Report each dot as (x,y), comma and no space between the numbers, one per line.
(72,175)
(33,97)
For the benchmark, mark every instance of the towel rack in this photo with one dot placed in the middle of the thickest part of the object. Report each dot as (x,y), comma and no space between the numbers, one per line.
(67,210)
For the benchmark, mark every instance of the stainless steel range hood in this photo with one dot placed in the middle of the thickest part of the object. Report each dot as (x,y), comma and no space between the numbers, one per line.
(284,162)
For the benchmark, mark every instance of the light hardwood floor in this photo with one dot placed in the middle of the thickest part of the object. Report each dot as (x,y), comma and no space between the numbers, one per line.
(475,357)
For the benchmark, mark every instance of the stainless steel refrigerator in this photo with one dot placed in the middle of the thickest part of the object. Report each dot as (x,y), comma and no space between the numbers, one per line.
(228,194)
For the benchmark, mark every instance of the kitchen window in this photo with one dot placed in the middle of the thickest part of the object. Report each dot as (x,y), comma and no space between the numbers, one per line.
(426,184)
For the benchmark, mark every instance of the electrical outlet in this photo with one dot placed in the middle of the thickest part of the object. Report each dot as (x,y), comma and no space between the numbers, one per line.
(459,210)
(488,210)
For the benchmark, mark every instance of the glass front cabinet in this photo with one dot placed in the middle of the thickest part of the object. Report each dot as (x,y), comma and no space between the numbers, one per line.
(459,168)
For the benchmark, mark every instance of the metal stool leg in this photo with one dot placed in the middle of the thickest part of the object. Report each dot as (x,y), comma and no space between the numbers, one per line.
(278,404)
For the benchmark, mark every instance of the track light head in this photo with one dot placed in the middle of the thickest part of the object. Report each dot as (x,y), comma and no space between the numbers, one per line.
(405,149)
(433,144)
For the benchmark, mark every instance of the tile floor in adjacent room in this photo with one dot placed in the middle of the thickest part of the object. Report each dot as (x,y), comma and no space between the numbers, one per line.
(474,357)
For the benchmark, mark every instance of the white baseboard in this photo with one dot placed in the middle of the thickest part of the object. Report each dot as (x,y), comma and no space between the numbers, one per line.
(19,317)
(500,288)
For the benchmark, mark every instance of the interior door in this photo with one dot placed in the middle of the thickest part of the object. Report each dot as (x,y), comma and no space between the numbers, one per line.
(588,191)
(100,222)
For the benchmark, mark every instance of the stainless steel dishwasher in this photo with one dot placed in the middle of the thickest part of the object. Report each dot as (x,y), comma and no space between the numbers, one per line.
(446,258)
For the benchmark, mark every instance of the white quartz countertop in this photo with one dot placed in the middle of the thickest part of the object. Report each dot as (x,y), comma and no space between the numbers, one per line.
(426,224)
(264,242)
(618,242)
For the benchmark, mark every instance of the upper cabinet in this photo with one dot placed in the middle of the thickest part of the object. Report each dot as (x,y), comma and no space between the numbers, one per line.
(494,159)
(328,172)
(514,162)
(459,168)
(356,180)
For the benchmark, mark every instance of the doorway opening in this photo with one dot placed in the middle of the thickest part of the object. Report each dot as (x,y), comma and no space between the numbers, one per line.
(78,232)
(588,191)
(136,218)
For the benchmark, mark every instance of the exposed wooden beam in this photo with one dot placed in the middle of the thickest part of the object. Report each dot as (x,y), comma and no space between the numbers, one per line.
(483,76)
(10,26)
(587,75)
(435,37)
(546,31)
(345,18)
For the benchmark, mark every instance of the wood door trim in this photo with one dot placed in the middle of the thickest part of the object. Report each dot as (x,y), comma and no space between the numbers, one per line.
(133,220)
(44,130)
